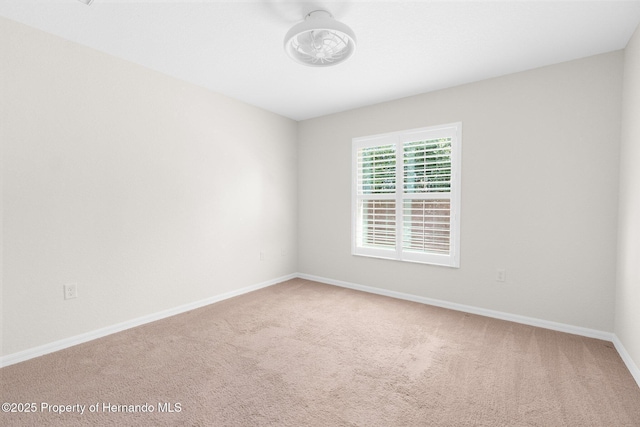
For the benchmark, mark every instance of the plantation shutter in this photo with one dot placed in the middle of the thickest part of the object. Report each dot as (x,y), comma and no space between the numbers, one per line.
(376,188)
(406,195)
(427,196)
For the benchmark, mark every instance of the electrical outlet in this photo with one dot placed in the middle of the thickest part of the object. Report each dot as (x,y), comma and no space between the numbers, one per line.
(70,291)
(262,255)
(501,275)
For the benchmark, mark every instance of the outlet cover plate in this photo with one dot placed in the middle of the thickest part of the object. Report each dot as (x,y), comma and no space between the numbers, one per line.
(70,291)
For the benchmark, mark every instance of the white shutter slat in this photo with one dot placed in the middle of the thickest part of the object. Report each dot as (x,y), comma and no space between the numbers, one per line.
(376,170)
(426,225)
(378,222)
(427,166)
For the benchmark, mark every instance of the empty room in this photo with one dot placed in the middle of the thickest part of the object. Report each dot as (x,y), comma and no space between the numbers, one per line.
(320,213)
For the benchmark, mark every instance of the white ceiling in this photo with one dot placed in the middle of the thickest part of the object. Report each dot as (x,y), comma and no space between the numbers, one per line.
(404,47)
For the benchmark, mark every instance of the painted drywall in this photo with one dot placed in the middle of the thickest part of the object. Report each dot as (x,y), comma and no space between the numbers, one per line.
(539,193)
(1,226)
(146,191)
(627,320)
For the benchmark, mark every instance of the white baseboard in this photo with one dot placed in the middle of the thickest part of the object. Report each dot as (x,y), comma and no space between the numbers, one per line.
(99,333)
(561,327)
(626,358)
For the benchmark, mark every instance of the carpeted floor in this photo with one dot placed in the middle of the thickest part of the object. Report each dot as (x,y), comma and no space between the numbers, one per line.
(307,354)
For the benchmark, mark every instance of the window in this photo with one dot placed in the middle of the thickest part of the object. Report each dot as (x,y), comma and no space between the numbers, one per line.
(406,195)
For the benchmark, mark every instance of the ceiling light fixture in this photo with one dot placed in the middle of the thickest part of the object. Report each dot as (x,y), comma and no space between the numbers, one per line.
(87,2)
(320,40)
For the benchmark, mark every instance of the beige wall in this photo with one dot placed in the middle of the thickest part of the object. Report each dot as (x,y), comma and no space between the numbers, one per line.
(627,321)
(150,193)
(539,193)
(146,191)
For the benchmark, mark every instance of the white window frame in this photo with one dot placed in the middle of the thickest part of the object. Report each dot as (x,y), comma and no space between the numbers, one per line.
(398,140)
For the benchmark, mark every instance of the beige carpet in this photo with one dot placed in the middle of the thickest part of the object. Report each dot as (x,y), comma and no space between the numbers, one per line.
(306,354)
